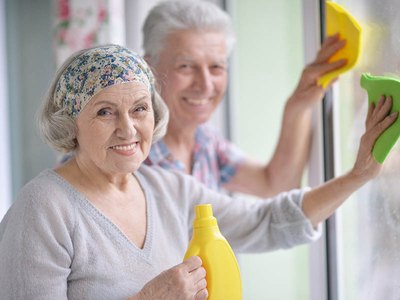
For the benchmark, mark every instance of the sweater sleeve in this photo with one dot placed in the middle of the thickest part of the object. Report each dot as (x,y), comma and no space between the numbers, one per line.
(256,225)
(249,225)
(36,246)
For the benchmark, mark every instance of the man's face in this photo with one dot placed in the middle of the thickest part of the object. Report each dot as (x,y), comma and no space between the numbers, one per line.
(192,73)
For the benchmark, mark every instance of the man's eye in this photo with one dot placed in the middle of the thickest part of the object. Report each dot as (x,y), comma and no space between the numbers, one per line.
(218,68)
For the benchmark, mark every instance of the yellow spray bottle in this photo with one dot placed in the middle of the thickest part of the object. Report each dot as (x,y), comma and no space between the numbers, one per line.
(219,261)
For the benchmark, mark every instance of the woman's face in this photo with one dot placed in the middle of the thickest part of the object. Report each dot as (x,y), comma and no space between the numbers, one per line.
(115,129)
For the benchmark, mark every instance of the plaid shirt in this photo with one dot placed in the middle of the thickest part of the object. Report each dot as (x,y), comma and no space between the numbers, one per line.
(215,160)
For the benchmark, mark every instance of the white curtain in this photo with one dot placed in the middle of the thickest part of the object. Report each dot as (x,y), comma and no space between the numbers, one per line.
(83,24)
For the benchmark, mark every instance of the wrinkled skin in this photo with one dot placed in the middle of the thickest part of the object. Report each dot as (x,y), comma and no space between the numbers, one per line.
(185,281)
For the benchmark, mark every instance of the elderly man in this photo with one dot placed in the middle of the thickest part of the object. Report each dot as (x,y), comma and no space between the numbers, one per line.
(187,44)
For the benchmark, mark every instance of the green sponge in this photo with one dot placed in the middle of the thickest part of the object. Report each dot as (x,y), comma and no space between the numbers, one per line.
(376,86)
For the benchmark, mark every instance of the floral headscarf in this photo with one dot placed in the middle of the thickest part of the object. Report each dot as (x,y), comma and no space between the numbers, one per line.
(95,70)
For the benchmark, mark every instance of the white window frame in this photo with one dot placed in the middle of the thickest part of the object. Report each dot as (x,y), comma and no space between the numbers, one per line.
(5,166)
(311,29)
(324,255)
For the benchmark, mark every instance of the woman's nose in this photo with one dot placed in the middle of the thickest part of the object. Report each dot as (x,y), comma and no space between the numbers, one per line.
(126,127)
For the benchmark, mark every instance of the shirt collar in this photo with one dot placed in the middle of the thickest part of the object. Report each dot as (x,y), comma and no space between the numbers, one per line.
(201,137)
(159,152)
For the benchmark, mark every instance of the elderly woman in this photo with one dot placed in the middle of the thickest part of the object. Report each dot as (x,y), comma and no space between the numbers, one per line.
(105,226)
(187,44)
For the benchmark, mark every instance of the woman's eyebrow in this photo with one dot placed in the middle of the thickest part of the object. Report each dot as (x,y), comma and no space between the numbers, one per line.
(144,97)
(102,102)
(111,103)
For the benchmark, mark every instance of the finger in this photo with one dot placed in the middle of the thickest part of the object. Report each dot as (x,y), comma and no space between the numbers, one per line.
(201,295)
(331,44)
(325,53)
(382,126)
(330,39)
(198,274)
(380,103)
(371,109)
(201,285)
(315,71)
(383,110)
(371,122)
(192,263)
(387,105)
(332,66)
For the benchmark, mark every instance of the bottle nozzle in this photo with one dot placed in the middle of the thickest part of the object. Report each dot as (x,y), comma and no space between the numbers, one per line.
(203,211)
(204,216)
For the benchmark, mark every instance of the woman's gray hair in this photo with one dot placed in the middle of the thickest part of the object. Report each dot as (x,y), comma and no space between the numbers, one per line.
(59,129)
(170,16)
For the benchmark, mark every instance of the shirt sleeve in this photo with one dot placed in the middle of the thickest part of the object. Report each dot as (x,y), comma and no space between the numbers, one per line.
(35,249)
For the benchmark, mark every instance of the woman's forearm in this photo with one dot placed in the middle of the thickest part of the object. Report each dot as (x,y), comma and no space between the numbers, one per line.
(321,202)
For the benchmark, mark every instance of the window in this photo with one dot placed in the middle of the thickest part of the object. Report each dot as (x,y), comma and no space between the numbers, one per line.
(268,62)
(369,223)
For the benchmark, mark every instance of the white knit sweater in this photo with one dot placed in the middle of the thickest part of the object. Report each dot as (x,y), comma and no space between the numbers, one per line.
(54,244)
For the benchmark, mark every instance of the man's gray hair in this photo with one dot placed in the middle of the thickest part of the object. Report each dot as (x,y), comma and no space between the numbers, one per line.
(170,16)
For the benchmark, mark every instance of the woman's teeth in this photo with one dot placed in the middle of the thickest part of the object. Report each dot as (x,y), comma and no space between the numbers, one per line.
(124,148)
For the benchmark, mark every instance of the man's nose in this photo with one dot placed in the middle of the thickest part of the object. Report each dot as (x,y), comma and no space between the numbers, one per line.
(204,81)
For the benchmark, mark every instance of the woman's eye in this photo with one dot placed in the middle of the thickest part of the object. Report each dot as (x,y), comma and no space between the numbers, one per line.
(104,112)
(141,109)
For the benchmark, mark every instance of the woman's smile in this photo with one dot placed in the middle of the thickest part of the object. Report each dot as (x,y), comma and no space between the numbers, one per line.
(115,129)
(125,149)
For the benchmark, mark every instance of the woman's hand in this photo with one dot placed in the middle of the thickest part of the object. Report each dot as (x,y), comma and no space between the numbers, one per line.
(185,281)
(376,123)
(320,203)
(308,92)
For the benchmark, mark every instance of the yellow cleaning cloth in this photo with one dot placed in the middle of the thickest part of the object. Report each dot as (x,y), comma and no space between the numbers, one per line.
(338,20)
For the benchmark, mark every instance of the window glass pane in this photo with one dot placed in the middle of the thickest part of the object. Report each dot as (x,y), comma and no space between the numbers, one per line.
(370,221)
(269,59)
